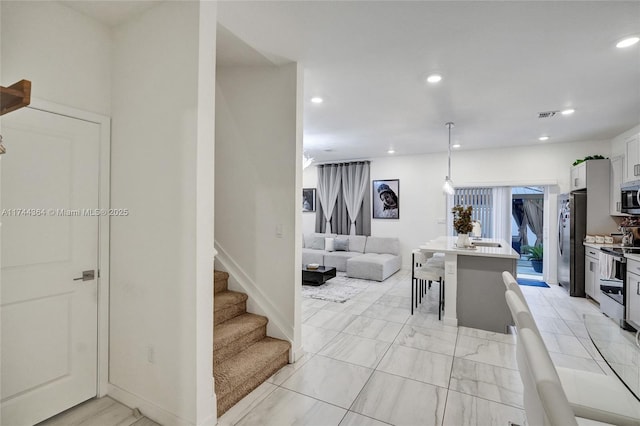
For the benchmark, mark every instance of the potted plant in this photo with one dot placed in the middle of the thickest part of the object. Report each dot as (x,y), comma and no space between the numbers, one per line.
(462,223)
(535,254)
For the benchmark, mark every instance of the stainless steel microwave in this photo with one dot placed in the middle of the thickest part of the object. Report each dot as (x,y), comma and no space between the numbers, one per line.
(630,197)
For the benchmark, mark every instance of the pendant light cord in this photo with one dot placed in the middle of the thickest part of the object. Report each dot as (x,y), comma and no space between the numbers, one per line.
(449,125)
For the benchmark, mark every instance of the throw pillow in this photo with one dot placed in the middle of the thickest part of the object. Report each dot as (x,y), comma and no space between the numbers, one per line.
(328,244)
(317,243)
(341,244)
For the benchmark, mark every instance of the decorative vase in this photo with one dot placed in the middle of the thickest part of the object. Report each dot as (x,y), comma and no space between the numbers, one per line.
(537,265)
(463,240)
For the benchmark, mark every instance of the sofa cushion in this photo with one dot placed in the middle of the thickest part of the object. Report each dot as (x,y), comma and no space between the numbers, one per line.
(338,259)
(308,238)
(357,243)
(317,243)
(341,244)
(328,244)
(313,256)
(382,245)
(373,266)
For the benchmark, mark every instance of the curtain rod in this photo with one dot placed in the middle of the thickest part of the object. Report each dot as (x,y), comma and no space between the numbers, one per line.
(332,163)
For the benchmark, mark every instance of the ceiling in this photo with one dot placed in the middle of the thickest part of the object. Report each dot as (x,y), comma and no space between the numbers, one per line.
(502,64)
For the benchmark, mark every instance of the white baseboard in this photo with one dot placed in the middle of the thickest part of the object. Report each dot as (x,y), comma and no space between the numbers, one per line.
(153,411)
(453,322)
(295,354)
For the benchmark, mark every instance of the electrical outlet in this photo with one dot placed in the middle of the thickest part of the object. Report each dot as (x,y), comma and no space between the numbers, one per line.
(279,230)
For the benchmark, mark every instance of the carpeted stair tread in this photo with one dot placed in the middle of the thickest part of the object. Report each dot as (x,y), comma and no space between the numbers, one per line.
(227,298)
(234,329)
(220,281)
(237,376)
(227,305)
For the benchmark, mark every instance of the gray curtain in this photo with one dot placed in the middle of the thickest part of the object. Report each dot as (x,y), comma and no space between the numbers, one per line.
(533,210)
(329,178)
(340,222)
(355,183)
(517,211)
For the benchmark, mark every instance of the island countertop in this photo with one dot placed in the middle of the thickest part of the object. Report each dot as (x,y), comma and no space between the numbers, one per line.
(484,247)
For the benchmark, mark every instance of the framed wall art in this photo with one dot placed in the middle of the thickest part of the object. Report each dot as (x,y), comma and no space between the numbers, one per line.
(386,199)
(308,199)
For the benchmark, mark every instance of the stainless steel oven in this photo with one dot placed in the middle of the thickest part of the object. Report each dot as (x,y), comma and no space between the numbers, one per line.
(613,275)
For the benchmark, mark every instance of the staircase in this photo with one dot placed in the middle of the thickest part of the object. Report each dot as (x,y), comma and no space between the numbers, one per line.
(243,355)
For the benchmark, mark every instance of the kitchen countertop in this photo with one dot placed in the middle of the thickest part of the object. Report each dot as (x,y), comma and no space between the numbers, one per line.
(447,245)
(599,246)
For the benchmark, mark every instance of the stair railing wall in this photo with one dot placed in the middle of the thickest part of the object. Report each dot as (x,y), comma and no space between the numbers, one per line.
(258,302)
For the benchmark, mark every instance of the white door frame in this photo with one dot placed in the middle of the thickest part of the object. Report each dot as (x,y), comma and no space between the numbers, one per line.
(104,201)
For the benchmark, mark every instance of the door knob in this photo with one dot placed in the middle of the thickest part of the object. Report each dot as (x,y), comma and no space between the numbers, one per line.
(87,276)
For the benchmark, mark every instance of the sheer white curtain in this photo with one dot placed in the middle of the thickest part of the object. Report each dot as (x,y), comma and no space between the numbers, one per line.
(329,178)
(355,182)
(502,213)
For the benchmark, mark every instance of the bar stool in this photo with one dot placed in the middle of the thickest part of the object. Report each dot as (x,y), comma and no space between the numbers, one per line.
(427,269)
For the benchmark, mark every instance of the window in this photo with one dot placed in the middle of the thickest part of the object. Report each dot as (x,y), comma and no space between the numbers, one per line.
(482,201)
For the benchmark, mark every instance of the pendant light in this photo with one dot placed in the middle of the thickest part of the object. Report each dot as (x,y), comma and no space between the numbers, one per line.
(447,188)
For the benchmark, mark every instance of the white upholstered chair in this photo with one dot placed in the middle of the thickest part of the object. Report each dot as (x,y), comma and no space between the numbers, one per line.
(591,396)
(545,402)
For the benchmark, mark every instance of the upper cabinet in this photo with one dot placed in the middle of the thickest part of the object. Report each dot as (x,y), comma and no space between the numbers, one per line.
(617,172)
(579,176)
(632,169)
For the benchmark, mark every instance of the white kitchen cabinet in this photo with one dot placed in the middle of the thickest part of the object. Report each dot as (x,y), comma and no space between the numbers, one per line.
(616,177)
(632,158)
(633,292)
(579,176)
(591,273)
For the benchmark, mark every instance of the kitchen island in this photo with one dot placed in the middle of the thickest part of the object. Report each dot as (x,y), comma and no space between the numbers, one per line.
(474,290)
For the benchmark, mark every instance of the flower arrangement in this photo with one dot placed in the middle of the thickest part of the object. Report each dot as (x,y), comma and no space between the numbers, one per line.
(462,219)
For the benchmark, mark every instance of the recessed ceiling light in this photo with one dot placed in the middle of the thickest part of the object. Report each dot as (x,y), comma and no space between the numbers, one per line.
(568,111)
(543,138)
(391,151)
(434,78)
(455,145)
(317,100)
(627,42)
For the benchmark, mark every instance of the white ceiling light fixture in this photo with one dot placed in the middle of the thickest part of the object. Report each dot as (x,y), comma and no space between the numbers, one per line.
(317,100)
(391,151)
(568,111)
(627,42)
(306,161)
(434,78)
(543,138)
(455,146)
(447,187)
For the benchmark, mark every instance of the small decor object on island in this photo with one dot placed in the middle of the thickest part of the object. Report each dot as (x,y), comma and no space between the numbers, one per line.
(463,224)
(386,202)
(308,199)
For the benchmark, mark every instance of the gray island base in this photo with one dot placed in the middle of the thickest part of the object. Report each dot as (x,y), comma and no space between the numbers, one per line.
(481,302)
(474,290)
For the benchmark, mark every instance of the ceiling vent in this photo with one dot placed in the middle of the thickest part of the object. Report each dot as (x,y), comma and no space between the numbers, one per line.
(547,114)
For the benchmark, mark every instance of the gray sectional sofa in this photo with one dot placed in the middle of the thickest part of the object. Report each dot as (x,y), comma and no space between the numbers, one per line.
(371,258)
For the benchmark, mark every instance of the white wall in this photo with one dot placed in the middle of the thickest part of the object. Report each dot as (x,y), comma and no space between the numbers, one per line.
(422,204)
(162,253)
(65,55)
(258,186)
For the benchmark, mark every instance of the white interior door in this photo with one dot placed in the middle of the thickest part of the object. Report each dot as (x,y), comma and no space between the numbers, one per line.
(48,318)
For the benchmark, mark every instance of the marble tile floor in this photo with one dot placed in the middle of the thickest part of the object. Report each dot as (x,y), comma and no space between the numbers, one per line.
(368,361)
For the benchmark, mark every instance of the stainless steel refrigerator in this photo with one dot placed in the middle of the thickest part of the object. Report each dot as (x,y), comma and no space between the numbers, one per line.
(572,228)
